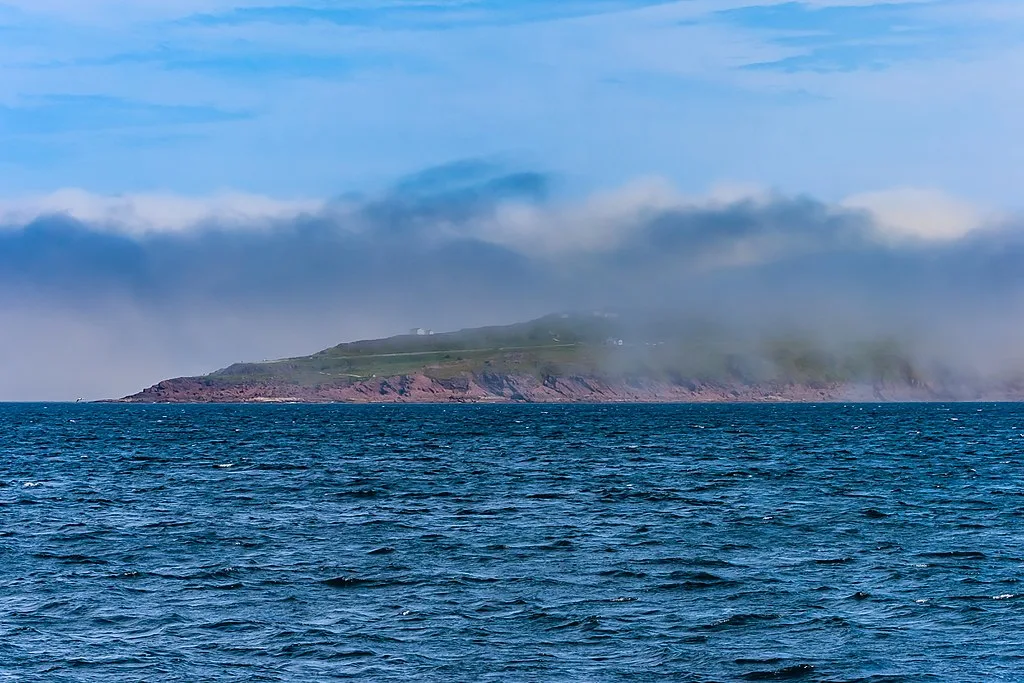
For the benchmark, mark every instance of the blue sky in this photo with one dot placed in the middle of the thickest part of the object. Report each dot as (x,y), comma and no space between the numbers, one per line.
(316,99)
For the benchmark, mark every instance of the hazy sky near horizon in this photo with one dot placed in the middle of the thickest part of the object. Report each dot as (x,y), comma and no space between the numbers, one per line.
(186,184)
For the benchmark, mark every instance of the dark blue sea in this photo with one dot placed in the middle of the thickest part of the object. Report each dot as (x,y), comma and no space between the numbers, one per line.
(512,543)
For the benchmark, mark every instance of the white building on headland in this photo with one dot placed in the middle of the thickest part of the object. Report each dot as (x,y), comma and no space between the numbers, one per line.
(420,331)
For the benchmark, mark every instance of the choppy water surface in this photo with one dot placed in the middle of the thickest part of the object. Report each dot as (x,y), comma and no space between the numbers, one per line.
(512,543)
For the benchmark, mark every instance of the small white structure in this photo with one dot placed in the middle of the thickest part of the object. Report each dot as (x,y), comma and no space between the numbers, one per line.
(420,331)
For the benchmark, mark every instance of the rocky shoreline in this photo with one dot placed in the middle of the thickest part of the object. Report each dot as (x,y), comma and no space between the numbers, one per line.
(501,388)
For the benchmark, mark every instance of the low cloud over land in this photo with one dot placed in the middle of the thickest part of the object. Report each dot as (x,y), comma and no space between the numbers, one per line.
(100,296)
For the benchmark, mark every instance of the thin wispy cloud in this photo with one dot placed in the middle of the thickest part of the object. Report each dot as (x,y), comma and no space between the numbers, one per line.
(75,113)
(418,15)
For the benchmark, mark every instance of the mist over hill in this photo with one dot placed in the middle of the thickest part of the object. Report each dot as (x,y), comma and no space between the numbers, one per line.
(594,356)
(99,304)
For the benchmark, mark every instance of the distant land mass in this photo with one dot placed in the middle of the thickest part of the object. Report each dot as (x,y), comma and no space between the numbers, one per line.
(588,357)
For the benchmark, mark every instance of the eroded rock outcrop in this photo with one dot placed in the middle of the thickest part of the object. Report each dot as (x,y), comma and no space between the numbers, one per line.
(493,387)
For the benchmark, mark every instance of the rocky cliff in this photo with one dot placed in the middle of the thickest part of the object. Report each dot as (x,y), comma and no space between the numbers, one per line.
(494,388)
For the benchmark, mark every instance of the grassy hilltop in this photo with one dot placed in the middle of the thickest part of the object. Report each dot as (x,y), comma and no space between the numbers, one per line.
(551,344)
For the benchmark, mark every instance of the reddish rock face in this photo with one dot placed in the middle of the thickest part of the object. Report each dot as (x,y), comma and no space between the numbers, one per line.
(496,388)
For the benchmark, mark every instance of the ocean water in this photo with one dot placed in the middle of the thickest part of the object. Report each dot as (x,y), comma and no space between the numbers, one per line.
(512,543)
